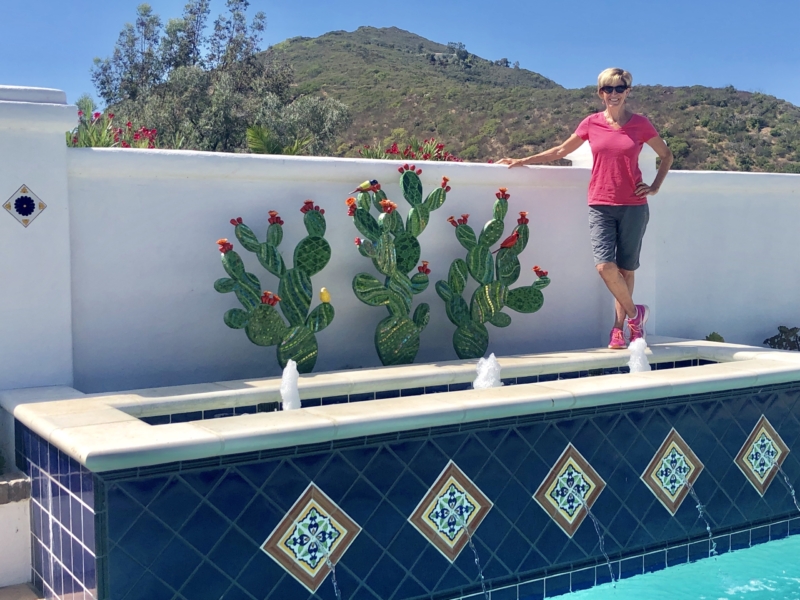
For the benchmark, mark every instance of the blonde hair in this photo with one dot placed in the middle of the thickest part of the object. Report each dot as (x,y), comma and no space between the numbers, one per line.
(614,76)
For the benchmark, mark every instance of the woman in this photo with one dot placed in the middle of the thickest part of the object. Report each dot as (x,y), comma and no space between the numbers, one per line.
(618,210)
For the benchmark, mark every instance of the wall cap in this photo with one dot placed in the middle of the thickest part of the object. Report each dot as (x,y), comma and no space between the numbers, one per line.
(17,93)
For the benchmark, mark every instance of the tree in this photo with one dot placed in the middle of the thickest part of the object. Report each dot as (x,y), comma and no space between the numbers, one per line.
(202,90)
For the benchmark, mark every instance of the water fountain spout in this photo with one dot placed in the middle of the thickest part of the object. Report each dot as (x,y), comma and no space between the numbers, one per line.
(600,537)
(488,373)
(289,392)
(638,361)
(472,546)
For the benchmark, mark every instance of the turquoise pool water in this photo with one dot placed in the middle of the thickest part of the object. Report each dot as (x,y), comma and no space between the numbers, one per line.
(768,571)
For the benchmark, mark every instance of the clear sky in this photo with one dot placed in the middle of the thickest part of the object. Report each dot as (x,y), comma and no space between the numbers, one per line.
(751,45)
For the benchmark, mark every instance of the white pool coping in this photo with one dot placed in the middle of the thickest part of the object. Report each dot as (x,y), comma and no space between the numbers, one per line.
(104,432)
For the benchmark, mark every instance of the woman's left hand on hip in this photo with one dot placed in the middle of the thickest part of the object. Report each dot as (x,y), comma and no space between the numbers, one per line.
(642,189)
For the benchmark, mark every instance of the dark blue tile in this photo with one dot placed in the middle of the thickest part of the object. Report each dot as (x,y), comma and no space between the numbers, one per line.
(206,582)
(779,530)
(459,387)
(409,588)
(261,575)
(361,501)
(406,547)
(236,593)
(146,539)
(361,555)
(361,397)
(509,381)
(66,548)
(176,563)
(204,528)
(384,470)
(187,417)
(386,577)
(336,478)
(232,495)
(655,561)
(417,391)
(232,553)
(435,389)
(722,544)
(794,527)
(156,420)
(569,375)
(508,593)
(257,473)
(532,590)
(630,567)
(89,570)
(259,518)
(387,394)
(217,413)
(123,573)
(698,550)
(334,400)
(664,365)
(583,579)
(286,485)
(512,450)
(428,463)
(384,524)
(309,402)
(677,556)
(556,585)
(269,407)
(679,364)
(429,567)
(759,535)
(150,588)
(175,502)
(246,410)
(740,540)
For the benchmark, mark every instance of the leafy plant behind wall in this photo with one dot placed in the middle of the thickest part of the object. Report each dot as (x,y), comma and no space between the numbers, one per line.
(494,274)
(785,339)
(395,251)
(260,319)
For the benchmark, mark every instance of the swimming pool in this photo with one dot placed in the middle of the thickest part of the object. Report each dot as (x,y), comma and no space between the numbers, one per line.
(765,572)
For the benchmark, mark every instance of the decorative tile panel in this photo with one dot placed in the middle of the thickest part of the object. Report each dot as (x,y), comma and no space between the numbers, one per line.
(673,465)
(313,535)
(569,489)
(24,205)
(451,511)
(762,454)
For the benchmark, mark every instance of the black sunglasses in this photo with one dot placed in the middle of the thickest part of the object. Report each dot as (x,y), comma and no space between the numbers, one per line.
(607,89)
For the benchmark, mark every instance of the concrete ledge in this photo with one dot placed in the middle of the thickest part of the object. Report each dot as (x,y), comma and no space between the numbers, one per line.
(17,93)
(14,487)
(19,592)
(102,432)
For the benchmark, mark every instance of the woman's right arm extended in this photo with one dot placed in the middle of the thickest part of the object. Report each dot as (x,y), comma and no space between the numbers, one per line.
(573,143)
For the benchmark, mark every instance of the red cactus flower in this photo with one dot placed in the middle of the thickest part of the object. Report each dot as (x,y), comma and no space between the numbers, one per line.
(125,144)
(503,194)
(452,221)
(307,206)
(80,113)
(447,189)
(539,271)
(96,115)
(358,242)
(407,167)
(270,298)
(274,218)
(74,140)
(464,219)
(445,180)
(128,124)
(423,268)
(236,221)
(523,218)
(224,245)
(388,206)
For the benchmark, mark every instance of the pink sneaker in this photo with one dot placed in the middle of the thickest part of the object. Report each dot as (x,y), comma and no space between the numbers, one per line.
(617,340)
(636,325)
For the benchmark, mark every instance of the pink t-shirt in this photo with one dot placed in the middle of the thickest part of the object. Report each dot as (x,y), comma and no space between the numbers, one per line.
(615,173)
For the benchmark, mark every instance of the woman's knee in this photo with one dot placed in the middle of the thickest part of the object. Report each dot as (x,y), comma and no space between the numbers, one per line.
(606,268)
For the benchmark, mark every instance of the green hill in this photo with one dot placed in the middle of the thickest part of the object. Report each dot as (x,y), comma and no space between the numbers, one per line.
(399,84)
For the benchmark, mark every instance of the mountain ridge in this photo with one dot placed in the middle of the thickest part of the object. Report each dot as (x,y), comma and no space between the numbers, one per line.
(399,84)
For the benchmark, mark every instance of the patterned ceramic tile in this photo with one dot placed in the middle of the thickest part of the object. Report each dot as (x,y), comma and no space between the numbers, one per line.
(452,510)
(762,454)
(24,205)
(571,486)
(313,533)
(673,465)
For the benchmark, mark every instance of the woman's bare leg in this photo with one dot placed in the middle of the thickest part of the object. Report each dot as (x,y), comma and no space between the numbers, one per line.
(620,283)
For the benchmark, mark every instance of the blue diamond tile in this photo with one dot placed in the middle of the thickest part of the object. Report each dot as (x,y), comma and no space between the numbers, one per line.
(206,582)
(258,473)
(175,503)
(261,574)
(386,577)
(125,511)
(361,500)
(533,590)
(556,585)
(232,553)
(384,524)
(150,588)
(677,556)
(655,561)
(146,539)
(232,495)
(204,528)
(383,470)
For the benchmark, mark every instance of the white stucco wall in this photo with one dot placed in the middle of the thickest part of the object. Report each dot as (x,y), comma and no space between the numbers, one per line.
(112,285)
(15,551)
(35,297)
(144,226)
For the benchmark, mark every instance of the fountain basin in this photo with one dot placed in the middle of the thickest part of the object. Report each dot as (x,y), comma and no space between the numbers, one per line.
(225,494)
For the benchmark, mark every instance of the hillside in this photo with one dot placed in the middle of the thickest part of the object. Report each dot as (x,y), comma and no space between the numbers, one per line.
(399,84)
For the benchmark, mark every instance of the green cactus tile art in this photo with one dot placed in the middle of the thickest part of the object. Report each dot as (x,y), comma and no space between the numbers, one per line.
(495,272)
(394,248)
(294,337)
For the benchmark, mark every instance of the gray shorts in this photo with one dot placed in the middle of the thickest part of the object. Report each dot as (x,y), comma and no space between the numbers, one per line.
(617,233)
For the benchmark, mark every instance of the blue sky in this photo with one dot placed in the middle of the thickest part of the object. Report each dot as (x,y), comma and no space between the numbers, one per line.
(753,46)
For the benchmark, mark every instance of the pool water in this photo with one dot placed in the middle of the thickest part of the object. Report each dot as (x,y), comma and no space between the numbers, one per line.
(768,571)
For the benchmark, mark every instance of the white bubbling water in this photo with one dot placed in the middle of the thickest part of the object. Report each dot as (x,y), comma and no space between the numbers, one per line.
(289,392)
(638,362)
(488,374)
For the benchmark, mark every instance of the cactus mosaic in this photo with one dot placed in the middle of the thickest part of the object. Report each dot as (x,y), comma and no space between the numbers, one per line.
(495,271)
(394,248)
(294,337)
